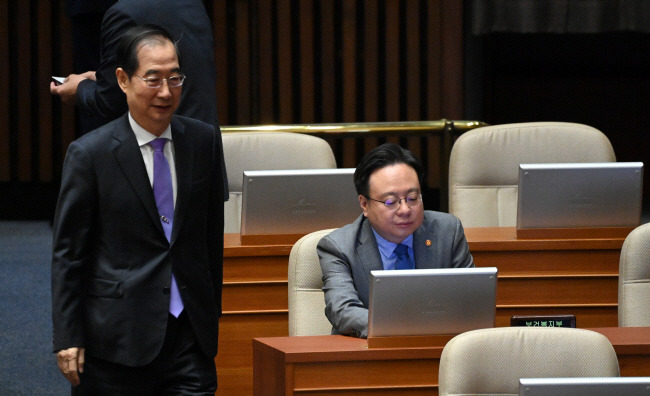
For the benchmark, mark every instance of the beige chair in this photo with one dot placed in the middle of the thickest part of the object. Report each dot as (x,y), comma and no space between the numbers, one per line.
(264,151)
(634,279)
(306,299)
(484,165)
(491,361)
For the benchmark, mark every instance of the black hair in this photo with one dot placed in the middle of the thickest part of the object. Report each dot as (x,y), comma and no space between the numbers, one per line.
(126,54)
(385,155)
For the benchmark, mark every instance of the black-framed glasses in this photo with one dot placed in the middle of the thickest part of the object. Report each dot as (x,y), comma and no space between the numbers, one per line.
(393,203)
(157,82)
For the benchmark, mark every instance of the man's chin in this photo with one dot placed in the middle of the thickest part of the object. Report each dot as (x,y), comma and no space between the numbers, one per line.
(162,115)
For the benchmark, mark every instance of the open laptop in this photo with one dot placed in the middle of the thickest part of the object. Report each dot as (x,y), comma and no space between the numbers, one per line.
(585,386)
(297,201)
(581,195)
(431,301)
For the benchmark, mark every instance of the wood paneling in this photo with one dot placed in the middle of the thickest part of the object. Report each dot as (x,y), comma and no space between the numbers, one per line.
(33,125)
(337,61)
(4,89)
(263,295)
(277,61)
(235,358)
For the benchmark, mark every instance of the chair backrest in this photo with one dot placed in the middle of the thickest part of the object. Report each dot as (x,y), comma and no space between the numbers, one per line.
(484,165)
(265,151)
(491,361)
(634,279)
(306,297)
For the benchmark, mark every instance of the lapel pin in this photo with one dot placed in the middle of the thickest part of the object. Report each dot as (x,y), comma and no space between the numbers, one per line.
(428,242)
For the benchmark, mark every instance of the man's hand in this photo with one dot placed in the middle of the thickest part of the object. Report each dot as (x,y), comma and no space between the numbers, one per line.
(71,363)
(68,90)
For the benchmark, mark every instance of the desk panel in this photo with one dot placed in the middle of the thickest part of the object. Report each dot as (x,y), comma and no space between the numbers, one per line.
(377,375)
(235,358)
(536,277)
(255,268)
(260,296)
(339,364)
(549,262)
(551,290)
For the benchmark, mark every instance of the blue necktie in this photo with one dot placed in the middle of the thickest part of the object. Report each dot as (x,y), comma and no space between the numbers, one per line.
(402,252)
(163,192)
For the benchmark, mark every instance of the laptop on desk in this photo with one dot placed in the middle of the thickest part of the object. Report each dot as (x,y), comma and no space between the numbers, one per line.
(581,195)
(585,386)
(297,201)
(431,301)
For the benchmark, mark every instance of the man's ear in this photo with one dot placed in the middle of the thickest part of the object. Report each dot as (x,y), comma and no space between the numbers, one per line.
(363,202)
(122,79)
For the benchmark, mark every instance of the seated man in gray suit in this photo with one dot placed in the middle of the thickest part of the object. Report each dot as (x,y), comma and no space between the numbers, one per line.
(388,183)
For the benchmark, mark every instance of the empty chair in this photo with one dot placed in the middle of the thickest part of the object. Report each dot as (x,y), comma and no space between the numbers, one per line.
(306,297)
(484,165)
(634,279)
(265,151)
(491,361)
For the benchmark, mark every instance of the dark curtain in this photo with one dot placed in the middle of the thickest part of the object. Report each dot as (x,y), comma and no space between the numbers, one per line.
(559,16)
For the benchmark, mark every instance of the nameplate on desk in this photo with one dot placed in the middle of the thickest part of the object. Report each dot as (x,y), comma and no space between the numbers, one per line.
(270,239)
(423,341)
(573,233)
(543,320)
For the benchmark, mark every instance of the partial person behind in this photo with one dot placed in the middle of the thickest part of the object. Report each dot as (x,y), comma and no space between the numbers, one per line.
(86,20)
(97,93)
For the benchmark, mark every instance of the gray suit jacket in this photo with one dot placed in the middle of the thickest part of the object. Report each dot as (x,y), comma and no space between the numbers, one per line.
(348,254)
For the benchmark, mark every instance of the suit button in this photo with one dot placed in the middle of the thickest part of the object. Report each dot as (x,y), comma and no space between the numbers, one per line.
(166,290)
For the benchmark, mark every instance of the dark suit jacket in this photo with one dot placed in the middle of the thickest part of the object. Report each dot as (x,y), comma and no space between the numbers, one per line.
(112,264)
(188,22)
(348,254)
(81,7)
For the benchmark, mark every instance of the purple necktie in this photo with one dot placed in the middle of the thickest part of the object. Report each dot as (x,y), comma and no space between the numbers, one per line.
(163,192)
(402,252)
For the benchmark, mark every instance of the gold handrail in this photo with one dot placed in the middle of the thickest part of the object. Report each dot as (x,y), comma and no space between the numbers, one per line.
(372,128)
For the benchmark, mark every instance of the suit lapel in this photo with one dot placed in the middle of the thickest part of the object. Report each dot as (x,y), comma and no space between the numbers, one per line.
(129,157)
(424,246)
(368,250)
(184,159)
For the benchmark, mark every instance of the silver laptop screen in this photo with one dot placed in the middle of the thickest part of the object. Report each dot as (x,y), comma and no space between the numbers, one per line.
(585,386)
(605,194)
(297,201)
(431,301)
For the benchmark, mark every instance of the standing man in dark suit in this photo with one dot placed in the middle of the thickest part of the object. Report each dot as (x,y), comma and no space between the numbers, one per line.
(394,232)
(98,94)
(138,239)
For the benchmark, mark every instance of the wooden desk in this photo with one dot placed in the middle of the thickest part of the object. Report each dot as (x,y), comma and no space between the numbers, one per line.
(542,276)
(536,276)
(326,365)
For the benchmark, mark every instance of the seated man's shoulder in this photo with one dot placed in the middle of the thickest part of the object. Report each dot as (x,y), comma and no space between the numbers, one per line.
(432,218)
(345,235)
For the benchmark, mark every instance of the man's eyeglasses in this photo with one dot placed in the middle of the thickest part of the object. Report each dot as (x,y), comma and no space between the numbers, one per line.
(393,203)
(157,82)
